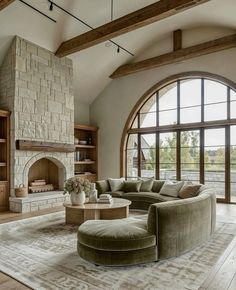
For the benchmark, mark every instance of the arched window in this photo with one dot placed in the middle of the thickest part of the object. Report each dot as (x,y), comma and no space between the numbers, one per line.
(185,129)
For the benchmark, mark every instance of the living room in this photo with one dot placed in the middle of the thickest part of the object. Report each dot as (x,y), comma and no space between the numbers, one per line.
(117,144)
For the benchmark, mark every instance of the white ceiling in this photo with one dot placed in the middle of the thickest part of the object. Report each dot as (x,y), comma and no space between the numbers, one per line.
(93,66)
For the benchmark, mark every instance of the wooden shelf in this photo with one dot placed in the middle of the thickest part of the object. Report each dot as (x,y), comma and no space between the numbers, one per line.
(2,140)
(3,164)
(86,128)
(86,152)
(85,146)
(85,162)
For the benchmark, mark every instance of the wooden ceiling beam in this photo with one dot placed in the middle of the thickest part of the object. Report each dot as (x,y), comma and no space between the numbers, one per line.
(5,3)
(177,56)
(147,15)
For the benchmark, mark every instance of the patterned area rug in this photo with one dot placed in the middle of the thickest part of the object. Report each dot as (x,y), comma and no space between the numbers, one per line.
(41,253)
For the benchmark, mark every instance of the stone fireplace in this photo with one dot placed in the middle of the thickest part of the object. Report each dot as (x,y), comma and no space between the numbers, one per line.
(36,86)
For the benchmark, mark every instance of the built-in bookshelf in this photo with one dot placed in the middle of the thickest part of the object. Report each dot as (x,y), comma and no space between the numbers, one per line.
(4,159)
(86,163)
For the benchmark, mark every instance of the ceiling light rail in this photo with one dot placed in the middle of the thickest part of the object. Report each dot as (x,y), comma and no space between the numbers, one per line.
(119,47)
(40,12)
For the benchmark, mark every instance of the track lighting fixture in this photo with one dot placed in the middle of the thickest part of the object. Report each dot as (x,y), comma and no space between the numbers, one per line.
(118,49)
(51,6)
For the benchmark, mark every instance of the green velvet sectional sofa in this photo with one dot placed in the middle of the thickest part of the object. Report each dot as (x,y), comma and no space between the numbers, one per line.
(172,227)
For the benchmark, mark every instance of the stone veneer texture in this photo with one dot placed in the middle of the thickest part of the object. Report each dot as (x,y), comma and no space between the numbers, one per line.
(36,86)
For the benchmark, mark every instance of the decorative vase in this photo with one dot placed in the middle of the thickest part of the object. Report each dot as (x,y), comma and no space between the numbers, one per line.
(93,194)
(77,198)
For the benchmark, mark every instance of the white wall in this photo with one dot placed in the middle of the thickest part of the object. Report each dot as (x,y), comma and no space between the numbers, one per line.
(82,115)
(112,107)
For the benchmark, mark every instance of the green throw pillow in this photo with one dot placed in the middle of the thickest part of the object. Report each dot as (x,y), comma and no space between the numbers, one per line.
(132,186)
(146,185)
(102,186)
(157,185)
(116,184)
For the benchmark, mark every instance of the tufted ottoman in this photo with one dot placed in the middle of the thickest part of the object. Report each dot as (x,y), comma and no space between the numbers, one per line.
(116,242)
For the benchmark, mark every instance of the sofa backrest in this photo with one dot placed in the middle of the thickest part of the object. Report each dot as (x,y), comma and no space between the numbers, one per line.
(181,225)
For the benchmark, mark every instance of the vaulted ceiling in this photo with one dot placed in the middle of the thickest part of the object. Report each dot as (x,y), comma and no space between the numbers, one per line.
(93,65)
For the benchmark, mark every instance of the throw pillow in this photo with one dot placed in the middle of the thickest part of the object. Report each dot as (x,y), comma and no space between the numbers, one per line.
(189,191)
(116,184)
(171,189)
(146,185)
(132,186)
(157,185)
(102,186)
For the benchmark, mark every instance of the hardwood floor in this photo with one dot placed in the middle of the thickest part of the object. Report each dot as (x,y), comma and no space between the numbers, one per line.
(221,277)
(8,216)
(7,283)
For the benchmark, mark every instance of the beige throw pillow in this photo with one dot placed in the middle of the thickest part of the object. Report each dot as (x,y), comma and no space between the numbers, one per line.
(171,188)
(116,184)
(189,191)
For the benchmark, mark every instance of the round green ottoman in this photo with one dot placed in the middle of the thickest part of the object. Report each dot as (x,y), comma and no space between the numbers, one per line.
(116,242)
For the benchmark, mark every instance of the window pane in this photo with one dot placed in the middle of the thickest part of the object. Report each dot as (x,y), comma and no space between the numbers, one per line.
(233,182)
(219,188)
(135,122)
(167,171)
(190,155)
(148,155)
(190,173)
(132,162)
(233,163)
(214,155)
(214,92)
(215,112)
(215,173)
(190,138)
(148,120)
(232,95)
(167,155)
(190,115)
(132,141)
(190,93)
(233,135)
(214,137)
(150,105)
(167,139)
(233,110)
(168,97)
(168,117)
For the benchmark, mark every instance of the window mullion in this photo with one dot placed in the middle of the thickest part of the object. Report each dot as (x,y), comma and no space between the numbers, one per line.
(157,155)
(202,165)
(227,164)
(178,157)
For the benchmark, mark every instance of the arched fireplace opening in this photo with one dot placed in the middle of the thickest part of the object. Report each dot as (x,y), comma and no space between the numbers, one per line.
(44,175)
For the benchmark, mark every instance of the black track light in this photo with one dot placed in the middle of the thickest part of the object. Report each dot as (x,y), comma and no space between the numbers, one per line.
(51,6)
(118,49)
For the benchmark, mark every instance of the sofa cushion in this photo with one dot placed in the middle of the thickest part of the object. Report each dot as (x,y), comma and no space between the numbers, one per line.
(189,191)
(157,185)
(132,186)
(102,186)
(115,193)
(116,184)
(148,197)
(112,235)
(171,188)
(146,185)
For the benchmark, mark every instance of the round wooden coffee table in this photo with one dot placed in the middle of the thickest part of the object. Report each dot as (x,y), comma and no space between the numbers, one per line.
(77,214)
